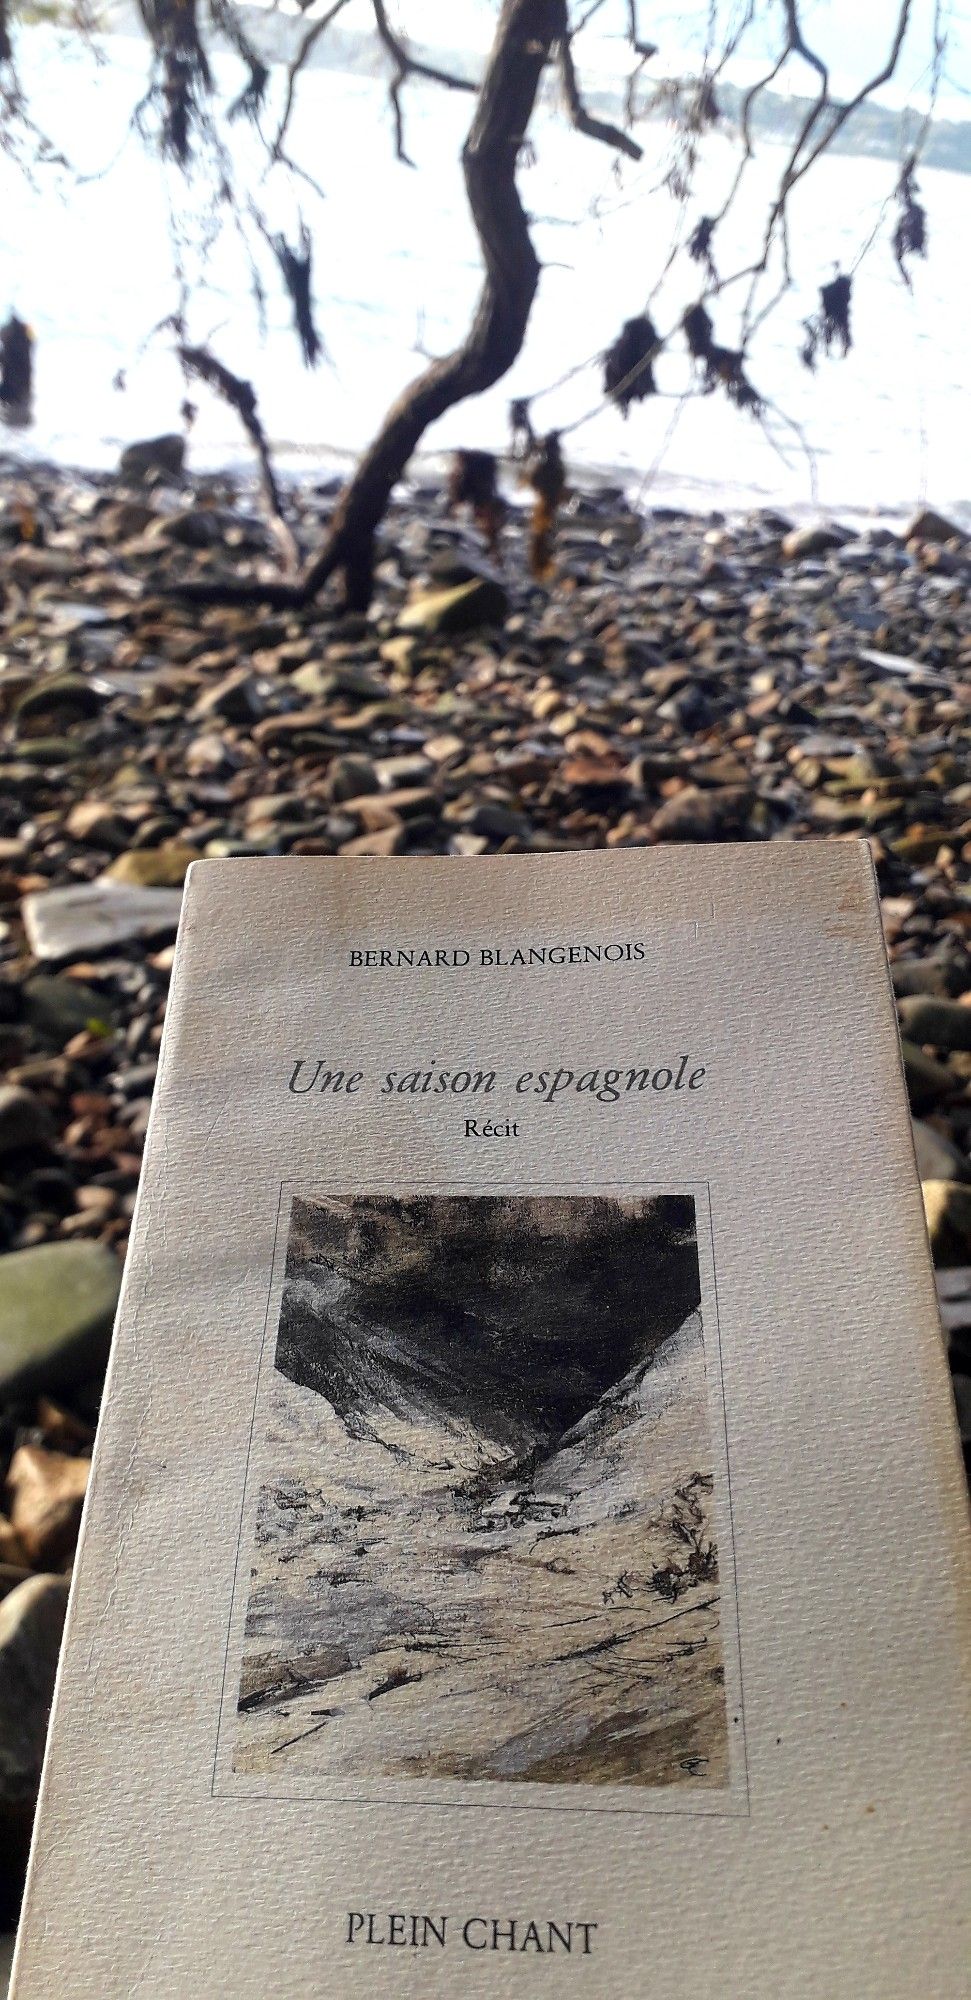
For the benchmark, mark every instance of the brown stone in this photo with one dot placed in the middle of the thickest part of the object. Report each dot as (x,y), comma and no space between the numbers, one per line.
(46,1492)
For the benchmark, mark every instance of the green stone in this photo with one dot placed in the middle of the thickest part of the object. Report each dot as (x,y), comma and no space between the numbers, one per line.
(153,867)
(57,1306)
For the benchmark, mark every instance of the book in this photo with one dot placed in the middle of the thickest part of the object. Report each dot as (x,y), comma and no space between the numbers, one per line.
(526,1522)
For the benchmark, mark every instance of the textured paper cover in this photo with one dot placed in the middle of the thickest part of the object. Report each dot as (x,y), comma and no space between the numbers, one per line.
(830,1866)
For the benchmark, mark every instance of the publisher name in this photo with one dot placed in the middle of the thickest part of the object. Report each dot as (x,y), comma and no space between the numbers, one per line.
(417,1931)
(456,958)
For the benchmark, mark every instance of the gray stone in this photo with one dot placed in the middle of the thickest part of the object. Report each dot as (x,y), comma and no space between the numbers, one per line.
(57,1008)
(57,1306)
(929,526)
(153,456)
(31,1623)
(349,776)
(815,540)
(24,1121)
(928,1081)
(943,1024)
(938,1159)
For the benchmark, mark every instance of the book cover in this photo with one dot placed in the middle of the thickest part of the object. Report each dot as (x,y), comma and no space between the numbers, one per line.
(526,1523)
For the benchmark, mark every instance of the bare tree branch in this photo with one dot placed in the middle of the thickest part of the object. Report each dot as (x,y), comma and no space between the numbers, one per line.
(405,65)
(241,397)
(307,45)
(415,65)
(580,117)
(643,49)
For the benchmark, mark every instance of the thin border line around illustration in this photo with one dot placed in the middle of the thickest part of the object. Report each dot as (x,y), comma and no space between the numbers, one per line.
(310,1186)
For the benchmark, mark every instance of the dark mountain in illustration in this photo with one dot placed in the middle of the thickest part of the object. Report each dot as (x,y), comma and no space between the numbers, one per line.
(511,1315)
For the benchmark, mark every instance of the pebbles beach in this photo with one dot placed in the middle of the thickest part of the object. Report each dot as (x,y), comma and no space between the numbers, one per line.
(682,678)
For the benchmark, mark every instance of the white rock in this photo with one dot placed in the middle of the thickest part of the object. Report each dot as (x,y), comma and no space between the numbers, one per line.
(62,923)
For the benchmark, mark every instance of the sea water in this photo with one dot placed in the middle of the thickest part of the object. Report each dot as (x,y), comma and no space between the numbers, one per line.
(86,257)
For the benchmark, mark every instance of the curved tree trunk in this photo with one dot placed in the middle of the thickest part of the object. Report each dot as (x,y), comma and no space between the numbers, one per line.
(525,35)
(524,39)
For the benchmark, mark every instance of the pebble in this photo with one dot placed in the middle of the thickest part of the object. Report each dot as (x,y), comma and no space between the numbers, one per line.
(31,1623)
(45,1494)
(57,1306)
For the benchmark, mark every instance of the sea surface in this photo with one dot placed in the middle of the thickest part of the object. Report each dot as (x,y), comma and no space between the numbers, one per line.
(88,256)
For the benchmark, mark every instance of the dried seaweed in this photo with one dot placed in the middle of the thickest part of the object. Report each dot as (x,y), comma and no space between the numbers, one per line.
(724,367)
(829,327)
(296,265)
(546,474)
(910,234)
(472,483)
(628,363)
(835,299)
(522,435)
(698,331)
(183,78)
(699,245)
(16,369)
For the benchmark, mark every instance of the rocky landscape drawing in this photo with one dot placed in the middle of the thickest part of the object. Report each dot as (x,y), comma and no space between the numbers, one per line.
(485,1542)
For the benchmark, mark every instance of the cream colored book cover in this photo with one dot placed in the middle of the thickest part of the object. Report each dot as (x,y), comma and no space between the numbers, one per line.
(526,1541)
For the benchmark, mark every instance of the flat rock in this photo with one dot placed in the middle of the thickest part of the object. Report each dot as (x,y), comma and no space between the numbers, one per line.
(31,1623)
(929,526)
(153,867)
(92,916)
(57,1306)
(481,601)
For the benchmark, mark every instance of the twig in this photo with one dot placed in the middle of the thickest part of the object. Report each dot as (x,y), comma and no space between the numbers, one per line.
(405,65)
(308,44)
(582,119)
(241,397)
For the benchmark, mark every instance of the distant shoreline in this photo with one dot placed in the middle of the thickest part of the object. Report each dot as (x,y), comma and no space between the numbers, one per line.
(873,131)
(302,468)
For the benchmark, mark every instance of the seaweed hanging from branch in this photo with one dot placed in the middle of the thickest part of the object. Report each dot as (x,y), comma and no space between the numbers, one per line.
(628,363)
(472,483)
(522,435)
(722,367)
(296,266)
(910,234)
(16,371)
(829,327)
(699,246)
(182,78)
(546,474)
